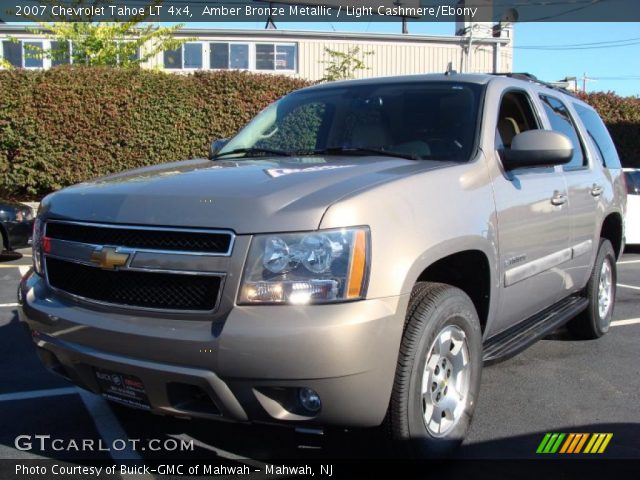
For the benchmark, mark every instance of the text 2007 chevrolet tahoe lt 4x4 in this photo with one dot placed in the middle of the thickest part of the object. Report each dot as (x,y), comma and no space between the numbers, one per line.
(351,257)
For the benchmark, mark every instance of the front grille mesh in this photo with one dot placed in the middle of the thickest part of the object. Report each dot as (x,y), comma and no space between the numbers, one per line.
(171,240)
(133,288)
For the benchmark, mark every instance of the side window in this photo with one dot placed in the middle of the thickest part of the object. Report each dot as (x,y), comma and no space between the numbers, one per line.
(600,136)
(515,116)
(562,122)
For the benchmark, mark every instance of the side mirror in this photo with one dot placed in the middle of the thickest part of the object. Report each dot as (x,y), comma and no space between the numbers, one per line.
(216,146)
(537,148)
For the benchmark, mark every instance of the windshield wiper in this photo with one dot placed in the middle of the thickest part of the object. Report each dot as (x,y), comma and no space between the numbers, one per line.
(252,151)
(359,151)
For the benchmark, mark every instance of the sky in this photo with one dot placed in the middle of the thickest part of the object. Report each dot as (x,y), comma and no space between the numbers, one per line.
(598,50)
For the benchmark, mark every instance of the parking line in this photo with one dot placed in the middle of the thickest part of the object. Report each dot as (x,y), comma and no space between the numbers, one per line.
(631,287)
(14,266)
(52,392)
(23,269)
(628,262)
(107,425)
(12,305)
(620,323)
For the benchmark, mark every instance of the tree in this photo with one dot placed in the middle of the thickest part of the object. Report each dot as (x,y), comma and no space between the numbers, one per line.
(126,43)
(344,65)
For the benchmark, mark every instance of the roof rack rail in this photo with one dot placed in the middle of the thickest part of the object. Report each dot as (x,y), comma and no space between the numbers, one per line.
(528,77)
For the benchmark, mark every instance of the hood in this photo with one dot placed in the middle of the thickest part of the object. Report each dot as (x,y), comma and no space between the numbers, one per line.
(247,196)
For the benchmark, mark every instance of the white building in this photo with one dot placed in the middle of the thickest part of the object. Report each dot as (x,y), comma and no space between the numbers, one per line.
(303,53)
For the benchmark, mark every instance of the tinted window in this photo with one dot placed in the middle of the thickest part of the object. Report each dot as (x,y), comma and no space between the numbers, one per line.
(33,54)
(428,121)
(12,53)
(600,136)
(60,54)
(193,55)
(561,122)
(173,58)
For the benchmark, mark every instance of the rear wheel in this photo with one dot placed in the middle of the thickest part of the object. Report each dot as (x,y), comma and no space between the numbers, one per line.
(438,372)
(595,321)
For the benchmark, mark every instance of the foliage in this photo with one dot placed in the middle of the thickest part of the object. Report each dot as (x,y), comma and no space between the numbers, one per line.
(344,65)
(127,43)
(72,123)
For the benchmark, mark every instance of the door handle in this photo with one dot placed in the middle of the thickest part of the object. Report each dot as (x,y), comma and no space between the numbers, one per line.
(558,199)
(596,190)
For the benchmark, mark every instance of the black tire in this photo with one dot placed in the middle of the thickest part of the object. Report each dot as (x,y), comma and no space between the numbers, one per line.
(590,324)
(435,309)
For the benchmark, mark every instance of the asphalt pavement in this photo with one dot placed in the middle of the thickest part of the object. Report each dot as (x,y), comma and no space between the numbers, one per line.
(558,385)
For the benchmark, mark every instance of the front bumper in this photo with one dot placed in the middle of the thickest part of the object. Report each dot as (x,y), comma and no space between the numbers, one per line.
(244,368)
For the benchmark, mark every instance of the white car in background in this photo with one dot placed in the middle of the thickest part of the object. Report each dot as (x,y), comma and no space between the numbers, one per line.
(632,176)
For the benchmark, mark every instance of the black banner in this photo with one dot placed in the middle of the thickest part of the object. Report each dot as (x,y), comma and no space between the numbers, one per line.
(317,470)
(321,10)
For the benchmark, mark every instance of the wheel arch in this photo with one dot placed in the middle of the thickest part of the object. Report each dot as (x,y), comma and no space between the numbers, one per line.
(471,268)
(612,229)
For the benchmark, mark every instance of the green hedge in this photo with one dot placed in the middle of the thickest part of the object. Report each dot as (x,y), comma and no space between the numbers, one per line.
(69,124)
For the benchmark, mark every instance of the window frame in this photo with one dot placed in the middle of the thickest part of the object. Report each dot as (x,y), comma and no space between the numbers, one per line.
(587,160)
(203,58)
(529,96)
(275,46)
(229,44)
(588,135)
(47,45)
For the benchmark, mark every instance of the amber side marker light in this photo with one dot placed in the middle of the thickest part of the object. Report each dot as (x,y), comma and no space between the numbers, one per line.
(358,265)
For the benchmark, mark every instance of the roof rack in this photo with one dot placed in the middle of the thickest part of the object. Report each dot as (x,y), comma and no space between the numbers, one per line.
(528,77)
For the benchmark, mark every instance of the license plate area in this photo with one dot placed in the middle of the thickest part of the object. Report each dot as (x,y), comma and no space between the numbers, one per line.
(126,389)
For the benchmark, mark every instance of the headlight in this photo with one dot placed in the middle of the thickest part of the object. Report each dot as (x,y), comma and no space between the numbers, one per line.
(301,268)
(36,245)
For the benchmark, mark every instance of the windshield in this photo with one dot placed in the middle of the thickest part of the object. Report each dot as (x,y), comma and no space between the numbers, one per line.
(431,120)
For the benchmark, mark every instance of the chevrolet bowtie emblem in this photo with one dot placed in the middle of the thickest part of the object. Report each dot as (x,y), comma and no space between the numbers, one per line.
(108,258)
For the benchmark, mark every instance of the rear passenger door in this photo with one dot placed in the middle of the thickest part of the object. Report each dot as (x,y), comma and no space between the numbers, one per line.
(532,217)
(585,186)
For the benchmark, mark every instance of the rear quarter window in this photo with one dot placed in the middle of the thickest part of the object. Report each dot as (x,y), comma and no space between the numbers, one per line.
(600,136)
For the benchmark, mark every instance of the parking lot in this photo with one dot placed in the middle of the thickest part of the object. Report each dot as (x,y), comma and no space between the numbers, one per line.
(558,385)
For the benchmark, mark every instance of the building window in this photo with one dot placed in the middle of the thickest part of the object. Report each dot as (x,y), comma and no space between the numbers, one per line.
(192,55)
(12,52)
(173,58)
(228,55)
(188,55)
(32,54)
(271,56)
(60,53)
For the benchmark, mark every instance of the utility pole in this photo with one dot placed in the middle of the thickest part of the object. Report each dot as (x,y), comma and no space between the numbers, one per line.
(585,79)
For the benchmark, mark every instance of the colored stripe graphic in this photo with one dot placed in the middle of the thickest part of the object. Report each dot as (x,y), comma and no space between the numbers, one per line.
(573,443)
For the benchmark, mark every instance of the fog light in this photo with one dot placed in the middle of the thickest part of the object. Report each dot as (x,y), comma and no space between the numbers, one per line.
(309,399)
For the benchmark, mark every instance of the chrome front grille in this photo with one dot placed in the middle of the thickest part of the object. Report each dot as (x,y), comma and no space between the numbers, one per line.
(143,238)
(132,267)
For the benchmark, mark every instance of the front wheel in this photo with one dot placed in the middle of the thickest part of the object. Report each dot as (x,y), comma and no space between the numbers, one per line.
(595,321)
(438,372)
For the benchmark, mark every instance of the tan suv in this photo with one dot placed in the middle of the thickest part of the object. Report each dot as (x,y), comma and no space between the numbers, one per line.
(351,257)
